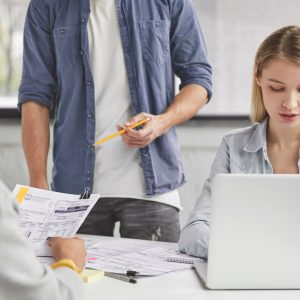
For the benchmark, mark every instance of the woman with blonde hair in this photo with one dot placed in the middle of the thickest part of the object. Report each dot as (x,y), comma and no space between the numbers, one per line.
(271,144)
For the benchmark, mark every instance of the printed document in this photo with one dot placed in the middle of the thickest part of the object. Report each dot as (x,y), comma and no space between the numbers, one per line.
(45,213)
(122,255)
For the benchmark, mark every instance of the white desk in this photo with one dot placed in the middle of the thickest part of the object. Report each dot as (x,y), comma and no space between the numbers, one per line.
(183,285)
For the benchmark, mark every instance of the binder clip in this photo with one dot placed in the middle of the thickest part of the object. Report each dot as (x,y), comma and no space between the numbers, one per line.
(86,194)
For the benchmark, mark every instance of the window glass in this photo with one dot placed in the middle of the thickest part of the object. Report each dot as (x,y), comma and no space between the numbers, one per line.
(12,15)
(233,31)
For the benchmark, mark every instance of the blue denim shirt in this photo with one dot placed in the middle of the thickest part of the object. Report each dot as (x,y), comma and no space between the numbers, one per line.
(242,151)
(159,38)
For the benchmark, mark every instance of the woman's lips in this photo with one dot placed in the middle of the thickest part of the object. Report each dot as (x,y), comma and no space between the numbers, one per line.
(288,117)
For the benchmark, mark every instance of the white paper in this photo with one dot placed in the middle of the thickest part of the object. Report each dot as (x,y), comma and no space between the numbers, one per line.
(122,255)
(45,213)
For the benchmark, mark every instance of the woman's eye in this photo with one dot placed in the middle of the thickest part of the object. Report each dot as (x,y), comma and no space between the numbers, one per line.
(277,90)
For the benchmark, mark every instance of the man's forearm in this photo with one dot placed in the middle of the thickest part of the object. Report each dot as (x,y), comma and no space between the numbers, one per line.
(35,138)
(185,105)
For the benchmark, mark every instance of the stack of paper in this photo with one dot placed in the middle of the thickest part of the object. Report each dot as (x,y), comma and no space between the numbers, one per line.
(122,255)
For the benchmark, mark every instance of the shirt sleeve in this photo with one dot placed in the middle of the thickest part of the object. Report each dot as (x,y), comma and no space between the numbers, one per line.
(188,49)
(38,82)
(22,276)
(195,235)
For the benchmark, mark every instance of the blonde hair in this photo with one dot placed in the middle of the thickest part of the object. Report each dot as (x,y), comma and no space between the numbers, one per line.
(283,43)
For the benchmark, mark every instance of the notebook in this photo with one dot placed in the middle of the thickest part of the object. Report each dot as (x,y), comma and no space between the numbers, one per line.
(254,233)
(182,258)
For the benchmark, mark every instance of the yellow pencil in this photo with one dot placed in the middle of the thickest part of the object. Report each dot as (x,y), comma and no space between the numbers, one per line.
(121,132)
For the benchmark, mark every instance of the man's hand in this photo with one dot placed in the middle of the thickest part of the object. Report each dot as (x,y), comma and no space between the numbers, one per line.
(71,248)
(184,106)
(150,131)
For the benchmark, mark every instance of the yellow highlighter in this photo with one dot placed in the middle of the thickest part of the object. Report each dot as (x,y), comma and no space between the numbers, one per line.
(121,132)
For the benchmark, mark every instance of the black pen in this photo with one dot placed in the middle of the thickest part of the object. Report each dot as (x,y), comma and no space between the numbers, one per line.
(132,273)
(120,277)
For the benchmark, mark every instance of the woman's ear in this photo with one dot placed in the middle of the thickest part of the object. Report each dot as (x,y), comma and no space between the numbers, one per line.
(257,78)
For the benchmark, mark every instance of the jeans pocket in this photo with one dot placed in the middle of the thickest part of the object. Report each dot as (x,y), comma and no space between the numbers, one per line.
(155,38)
(67,45)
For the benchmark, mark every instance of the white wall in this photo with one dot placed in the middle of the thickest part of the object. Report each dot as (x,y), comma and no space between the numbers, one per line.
(199,141)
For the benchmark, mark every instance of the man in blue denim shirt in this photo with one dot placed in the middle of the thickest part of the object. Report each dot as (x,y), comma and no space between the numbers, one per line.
(70,52)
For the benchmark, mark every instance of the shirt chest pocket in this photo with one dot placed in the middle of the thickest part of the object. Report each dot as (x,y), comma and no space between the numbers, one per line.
(67,45)
(155,40)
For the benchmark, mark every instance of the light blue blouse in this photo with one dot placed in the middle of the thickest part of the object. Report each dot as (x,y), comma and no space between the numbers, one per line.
(241,151)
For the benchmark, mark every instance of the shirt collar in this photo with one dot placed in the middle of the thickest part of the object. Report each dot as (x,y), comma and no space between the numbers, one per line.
(258,139)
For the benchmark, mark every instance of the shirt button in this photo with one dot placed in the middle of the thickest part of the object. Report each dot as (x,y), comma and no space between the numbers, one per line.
(157,23)
(81,52)
(89,83)
(62,31)
(82,20)
(90,115)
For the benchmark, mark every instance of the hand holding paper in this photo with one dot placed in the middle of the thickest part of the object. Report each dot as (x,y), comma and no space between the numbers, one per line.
(45,213)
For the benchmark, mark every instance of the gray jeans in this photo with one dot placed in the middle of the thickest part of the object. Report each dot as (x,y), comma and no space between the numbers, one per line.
(139,219)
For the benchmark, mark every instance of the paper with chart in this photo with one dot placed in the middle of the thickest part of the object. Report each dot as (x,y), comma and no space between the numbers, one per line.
(122,255)
(45,213)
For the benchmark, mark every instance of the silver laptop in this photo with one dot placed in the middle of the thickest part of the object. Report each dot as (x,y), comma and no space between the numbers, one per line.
(254,233)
